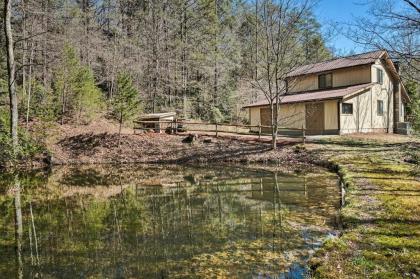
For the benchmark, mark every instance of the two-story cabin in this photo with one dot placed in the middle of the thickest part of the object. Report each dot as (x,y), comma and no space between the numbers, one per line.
(358,93)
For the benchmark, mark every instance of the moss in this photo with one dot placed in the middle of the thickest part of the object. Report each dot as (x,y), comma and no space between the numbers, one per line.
(381,218)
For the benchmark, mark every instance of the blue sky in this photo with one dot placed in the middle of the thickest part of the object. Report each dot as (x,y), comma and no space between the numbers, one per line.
(335,12)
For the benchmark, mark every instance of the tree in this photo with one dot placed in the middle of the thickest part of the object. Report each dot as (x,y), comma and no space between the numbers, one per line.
(413,108)
(125,103)
(279,51)
(11,70)
(75,84)
(394,26)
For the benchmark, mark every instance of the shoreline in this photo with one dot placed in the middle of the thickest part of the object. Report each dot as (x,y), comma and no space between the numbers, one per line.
(378,175)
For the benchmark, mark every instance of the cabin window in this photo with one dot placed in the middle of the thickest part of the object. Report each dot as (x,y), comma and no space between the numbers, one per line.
(380,76)
(347,108)
(325,81)
(380,105)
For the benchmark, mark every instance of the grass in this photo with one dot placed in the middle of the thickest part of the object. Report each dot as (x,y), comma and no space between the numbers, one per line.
(381,218)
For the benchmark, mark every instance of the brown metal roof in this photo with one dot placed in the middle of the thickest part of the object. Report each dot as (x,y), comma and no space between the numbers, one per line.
(338,63)
(156,115)
(336,93)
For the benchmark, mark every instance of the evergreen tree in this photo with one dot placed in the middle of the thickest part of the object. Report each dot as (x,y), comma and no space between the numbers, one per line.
(413,108)
(125,103)
(76,89)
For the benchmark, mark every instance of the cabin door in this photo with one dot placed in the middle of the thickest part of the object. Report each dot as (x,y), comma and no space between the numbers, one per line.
(314,117)
(265,118)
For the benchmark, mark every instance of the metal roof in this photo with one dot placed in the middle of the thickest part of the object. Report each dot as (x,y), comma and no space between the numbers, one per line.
(320,95)
(157,115)
(337,63)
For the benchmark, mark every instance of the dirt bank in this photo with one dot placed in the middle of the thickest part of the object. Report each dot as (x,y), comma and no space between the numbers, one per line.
(100,143)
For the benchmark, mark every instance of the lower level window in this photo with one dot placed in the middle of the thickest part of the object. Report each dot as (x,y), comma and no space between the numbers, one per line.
(380,107)
(347,108)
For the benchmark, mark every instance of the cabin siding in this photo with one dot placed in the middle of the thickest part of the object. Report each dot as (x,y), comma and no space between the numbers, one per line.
(292,115)
(331,115)
(340,77)
(365,117)
(254,117)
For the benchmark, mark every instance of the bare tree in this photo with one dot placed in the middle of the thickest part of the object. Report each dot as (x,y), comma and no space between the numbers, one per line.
(394,26)
(11,70)
(279,51)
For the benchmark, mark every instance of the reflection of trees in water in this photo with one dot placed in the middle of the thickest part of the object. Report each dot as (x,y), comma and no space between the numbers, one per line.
(212,221)
(18,227)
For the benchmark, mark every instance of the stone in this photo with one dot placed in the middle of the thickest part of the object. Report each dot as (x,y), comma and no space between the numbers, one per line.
(191,138)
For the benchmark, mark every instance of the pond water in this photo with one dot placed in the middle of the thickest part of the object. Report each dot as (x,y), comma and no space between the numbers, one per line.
(164,222)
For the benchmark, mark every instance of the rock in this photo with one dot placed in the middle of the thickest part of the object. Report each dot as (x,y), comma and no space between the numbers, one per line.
(169,130)
(191,138)
(207,140)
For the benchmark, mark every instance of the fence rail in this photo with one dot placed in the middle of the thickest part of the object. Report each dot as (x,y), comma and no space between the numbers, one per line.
(240,129)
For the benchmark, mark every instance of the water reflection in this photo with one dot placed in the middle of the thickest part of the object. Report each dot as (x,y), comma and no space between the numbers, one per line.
(163,222)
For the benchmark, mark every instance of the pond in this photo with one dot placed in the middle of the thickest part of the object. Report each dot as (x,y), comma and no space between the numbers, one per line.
(164,222)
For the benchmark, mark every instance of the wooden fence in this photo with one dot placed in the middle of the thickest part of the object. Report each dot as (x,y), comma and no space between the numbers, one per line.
(177,126)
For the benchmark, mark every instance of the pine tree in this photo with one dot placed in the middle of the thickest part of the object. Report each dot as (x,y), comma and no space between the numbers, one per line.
(75,86)
(125,103)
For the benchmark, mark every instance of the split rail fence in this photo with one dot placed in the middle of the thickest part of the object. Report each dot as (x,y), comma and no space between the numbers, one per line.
(180,126)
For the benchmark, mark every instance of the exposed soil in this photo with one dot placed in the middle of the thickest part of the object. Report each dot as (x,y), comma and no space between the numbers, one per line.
(100,143)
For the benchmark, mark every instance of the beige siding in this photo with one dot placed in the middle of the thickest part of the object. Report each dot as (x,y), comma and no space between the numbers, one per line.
(254,117)
(365,116)
(331,115)
(341,77)
(348,123)
(292,115)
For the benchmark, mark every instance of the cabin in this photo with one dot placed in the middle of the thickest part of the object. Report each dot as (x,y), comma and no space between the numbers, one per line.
(156,121)
(361,93)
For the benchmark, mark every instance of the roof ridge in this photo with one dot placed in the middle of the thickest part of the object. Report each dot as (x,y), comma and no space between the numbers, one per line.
(337,63)
(343,57)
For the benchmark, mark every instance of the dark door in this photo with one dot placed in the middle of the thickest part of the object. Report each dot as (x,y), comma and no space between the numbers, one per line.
(314,117)
(265,118)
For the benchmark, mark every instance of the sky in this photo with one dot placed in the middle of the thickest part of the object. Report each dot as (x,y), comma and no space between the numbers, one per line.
(335,12)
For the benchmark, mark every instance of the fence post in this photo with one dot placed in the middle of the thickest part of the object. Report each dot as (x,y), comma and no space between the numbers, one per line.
(216,131)
(303,134)
(259,131)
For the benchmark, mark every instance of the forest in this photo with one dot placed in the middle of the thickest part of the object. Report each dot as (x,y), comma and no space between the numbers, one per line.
(193,56)
(81,193)
(74,61)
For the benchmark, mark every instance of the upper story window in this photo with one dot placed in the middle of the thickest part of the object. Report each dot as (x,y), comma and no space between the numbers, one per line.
(325,81)
(380,108)
(380,76)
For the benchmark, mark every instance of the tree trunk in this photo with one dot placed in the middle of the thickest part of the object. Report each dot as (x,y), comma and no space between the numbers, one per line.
(63,104)
(11,73)
(28,105)
(45,5)
(183,60)
(18,228)
(119,130)
(24,46)
(273,127)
